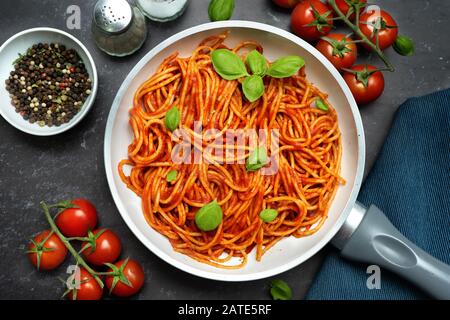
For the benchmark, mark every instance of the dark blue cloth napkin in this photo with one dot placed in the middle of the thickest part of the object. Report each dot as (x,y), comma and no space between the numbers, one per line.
(410,183)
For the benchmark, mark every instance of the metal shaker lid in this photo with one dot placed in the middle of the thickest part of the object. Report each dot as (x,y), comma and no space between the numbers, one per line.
(113,16)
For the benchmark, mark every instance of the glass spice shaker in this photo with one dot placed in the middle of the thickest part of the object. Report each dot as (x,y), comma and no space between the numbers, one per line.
(118,28)
(162,10)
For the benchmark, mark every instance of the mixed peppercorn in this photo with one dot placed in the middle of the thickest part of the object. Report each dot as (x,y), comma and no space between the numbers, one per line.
(49,84)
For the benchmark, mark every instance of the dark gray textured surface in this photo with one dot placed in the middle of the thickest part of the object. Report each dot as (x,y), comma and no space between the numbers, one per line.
(71,164)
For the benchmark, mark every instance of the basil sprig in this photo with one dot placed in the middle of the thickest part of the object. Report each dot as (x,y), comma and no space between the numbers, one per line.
(253,87)
(172,175)
(280,290)
(257,159)
(220,10)
(268,215)
(404,46)
(209,216)
(285,67)
(257,63)
(172,119)
(321,105)
(230,67)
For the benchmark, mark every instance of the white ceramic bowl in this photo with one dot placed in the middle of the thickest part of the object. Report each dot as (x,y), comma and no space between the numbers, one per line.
(291,251)
(19,43)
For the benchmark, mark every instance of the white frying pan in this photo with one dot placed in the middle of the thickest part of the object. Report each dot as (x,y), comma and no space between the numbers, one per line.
(374,240)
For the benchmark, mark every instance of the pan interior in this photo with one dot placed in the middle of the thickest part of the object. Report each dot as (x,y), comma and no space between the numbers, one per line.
(290,251)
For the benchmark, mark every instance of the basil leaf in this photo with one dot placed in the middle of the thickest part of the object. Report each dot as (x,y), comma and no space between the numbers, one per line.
(228,64)
(172,119)
(404,46)
(257,63)
(257,159)
(268,215)
(209,216)
(285,67)
(253,88)
(320,104)
(172,175)
(220,9)
(280,290)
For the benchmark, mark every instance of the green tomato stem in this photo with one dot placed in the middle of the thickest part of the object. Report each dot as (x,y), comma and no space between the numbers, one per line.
(69,247)
(110,273)
(77,238)
(357,30)
(358,9)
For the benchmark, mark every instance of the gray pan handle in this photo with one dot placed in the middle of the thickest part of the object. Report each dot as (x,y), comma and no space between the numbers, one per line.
(368,236)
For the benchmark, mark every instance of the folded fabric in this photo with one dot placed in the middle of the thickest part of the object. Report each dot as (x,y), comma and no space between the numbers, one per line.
(410,183)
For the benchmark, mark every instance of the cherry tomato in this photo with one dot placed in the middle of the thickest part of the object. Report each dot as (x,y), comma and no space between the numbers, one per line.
(130,270)
(46,252)
(288,4)
(338,49)
(366,85)
(75,222)
(310,20)
(89,288)
(103,247)
(383,24)
(344,6)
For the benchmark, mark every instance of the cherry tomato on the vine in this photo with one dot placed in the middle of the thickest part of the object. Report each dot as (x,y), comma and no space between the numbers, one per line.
(339,49)
(46,251)
(365,82)
(76,221)
(128,278)
(311,19)
(345,5)
(104,246)
(288,4)
(380,24)
(89,289)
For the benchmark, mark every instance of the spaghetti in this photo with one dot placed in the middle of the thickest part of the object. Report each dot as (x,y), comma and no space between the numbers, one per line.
(309,156)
